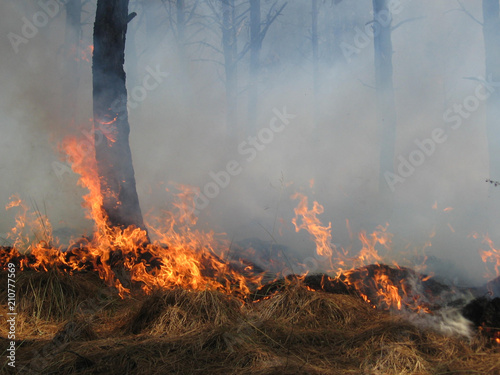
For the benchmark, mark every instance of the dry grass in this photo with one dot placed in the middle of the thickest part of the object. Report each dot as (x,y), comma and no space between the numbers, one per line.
(294,331)
(181,311)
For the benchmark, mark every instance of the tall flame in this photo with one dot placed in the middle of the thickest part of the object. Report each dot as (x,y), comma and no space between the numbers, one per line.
(340,263)
(322,235)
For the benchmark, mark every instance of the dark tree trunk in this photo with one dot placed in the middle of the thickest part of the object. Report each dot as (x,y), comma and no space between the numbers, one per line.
(114,159)
(491,33)
(72,51)
(255,48)
(386,108)
(229,47)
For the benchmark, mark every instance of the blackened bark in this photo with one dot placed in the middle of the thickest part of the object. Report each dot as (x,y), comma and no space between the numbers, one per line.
(229,47)
(491,34)
(255,48)
(111,126)
(386,107)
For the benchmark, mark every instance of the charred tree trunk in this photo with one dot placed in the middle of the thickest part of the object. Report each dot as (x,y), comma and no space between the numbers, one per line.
(255,48)
(386,108)
(229,47)
(111,126)
(72,56)
(491,33)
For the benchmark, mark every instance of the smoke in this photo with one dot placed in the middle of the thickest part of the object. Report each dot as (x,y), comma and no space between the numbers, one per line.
(178,130)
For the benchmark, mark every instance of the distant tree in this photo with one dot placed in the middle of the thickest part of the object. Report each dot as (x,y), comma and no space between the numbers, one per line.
(491,34)
(230,50)
(386,108)
(258,31)
(255,48)
(231,16)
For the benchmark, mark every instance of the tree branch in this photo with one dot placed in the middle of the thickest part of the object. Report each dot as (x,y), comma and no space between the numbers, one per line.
(269,21)
(463,9)
(406,21)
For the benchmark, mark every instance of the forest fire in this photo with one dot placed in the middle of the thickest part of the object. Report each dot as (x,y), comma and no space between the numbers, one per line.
(181,256)
(245,270)
(177,257)
(190,259)
(176,270)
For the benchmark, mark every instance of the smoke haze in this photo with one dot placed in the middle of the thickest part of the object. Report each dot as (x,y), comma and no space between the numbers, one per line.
(179,135)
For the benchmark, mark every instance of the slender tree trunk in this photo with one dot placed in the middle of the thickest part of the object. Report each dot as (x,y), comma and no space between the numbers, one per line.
(491,33)
(386,108)
(185,87)
(338,28)
(111,126)
(315,53)
(72,51)
(230,64)
(255,48)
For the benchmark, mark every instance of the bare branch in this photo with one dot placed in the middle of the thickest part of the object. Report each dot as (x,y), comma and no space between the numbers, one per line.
(192,12)
(209,60)
(463,9)
(367,85)
(243,52)
(270,19)
(406,21)
(208,45)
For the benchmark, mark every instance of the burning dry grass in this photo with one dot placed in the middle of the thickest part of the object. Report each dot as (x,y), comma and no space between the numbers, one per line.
(294,331)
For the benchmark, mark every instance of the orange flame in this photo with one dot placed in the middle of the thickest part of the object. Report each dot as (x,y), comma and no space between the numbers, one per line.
(372,278)
(489,256)
(179,256)
(321,235)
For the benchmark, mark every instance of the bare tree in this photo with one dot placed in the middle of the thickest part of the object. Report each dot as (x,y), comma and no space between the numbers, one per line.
(491,34)
(230,50)
(258,31)
(255,48)
(386,108)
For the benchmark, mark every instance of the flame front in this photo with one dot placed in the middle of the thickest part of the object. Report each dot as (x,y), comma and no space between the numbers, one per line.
(353,269)
(179,256)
